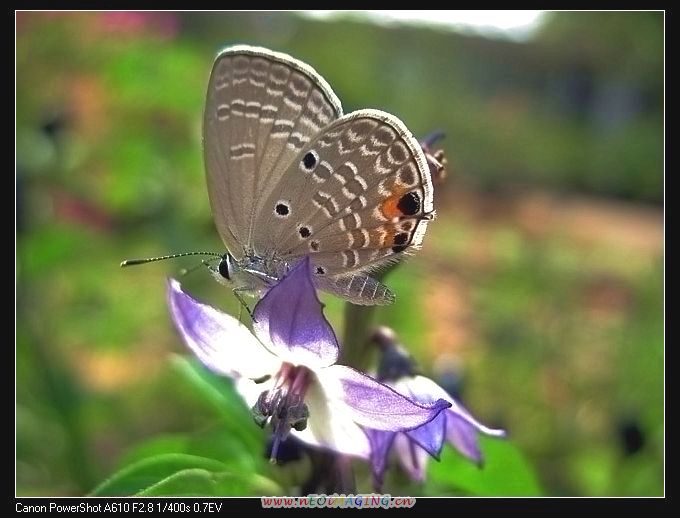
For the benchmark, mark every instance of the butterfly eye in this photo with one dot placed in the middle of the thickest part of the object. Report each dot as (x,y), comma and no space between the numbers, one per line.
(225,267)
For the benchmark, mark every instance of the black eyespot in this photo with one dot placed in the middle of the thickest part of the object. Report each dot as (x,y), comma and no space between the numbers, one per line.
(223,268)
(398,248)
(314,245)
(282,209)
(309,161)
(401,239)
(304,232)
(320,270)
(409,203)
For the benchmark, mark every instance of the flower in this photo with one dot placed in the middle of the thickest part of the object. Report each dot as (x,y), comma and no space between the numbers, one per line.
(454,425)
(286,371)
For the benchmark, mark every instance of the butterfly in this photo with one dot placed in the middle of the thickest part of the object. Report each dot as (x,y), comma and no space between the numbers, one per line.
(289,175)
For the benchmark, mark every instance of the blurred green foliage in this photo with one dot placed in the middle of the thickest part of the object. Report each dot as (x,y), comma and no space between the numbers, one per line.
(555,325)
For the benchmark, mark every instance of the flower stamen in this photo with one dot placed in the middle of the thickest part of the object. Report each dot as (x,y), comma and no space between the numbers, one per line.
(283,406)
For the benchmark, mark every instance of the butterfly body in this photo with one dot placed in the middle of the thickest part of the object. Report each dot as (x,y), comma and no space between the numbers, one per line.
(290,176)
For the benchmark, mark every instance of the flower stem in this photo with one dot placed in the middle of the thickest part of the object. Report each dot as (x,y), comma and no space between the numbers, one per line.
(358,323)
(355,351)
(331,473)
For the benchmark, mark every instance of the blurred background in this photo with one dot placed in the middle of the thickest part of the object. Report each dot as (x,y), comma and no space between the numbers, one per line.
(537,297)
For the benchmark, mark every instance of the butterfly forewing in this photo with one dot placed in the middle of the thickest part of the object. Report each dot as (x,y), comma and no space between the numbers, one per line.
(358,195)
(261,108)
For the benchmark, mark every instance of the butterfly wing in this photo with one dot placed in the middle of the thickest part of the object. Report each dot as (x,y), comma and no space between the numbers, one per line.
(261,108)
(357,288)
(357,196)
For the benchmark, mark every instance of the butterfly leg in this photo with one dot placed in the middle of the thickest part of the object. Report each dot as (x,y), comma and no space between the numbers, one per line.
(237,293)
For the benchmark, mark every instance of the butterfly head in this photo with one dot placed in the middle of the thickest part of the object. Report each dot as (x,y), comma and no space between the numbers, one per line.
(226,266)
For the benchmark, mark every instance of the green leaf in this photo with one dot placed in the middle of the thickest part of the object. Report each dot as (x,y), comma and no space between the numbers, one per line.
(213,443)
(148,472)
(220,394)
(505,472)
(200,482)
(156,446)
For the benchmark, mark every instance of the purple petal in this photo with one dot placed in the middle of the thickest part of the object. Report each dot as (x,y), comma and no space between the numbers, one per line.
(289,319)
(459,427)
(373,404)
(463,436)
(412,458)
(221,342)
(431,436)
(381,443)
(424,390)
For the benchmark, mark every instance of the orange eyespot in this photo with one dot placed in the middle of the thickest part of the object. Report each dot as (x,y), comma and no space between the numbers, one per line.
(389,207)
(401,204)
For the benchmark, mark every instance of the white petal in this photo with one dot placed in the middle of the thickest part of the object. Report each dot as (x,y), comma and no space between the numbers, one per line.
(330,426)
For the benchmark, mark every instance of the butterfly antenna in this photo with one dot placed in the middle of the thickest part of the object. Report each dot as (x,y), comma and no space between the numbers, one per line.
(133,262)
(433,137)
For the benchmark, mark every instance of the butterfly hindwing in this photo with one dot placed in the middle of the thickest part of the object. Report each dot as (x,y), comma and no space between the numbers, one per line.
(357,288)
(357,196)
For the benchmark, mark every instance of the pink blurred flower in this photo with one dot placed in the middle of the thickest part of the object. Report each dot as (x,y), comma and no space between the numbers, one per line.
(134,23)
